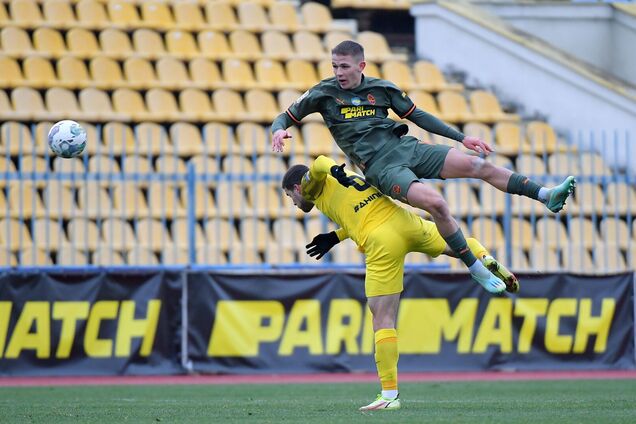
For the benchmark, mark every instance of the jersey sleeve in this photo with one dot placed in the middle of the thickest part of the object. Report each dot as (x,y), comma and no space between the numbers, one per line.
(314,180)
(400,102)
(306,104)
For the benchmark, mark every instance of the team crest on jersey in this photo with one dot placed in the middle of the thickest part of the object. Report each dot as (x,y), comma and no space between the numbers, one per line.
(356,101)
(396,189)
(305,94)
(371,99)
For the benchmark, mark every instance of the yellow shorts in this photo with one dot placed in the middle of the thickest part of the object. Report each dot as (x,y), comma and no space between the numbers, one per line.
(387,245)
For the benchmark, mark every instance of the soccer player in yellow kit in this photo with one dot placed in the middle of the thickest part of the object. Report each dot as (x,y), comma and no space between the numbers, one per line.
(386,233)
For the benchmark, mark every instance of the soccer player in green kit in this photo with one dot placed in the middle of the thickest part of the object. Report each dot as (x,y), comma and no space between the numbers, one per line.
(355,109)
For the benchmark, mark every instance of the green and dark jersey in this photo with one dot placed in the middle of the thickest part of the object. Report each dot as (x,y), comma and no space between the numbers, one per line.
(358,118)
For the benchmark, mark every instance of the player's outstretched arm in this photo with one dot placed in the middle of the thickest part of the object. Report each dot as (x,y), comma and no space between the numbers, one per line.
(279,132)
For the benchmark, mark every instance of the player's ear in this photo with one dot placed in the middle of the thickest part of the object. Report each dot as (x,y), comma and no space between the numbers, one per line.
(362,65)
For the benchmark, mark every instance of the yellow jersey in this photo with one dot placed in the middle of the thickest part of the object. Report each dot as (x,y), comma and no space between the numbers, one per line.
(357,209)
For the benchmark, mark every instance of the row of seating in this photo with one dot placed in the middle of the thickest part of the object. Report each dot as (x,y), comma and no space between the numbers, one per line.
(186,15)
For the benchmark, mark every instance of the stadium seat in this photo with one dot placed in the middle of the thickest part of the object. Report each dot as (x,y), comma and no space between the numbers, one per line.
(531,166)
(245,255)
(211,256)
(83,233)
(376,47)
(487,109)
(181,44)
(252,17)
(34,257)
(148,44)
(141,256)
(81,44)
(265,199)
(289,232)
(229,106)
(271,165)
(245,45)
(91,15)
(106,166)
(16,139)
(118,234)
(255,234)
(96,106)
(399,73)
(592,164)
(128,200)
(252,138)
(316,17)
(152,234)
(491,200)
(578,259)
(15,42)
(172,74)
(488,232)
(238,74)
(431,79)
(588,199)
(93,201)
(195,105)
(156,15)
(58,14)
(186,139)
(220,16)
(49,43)
(235,201)
(551,231)
(563,164)
(453,107)
(105,256)
(162,105)
(615,231)
(11,75)
(115,44)
(188,16)
(39,72)
(302,73)
(620,197)
(106,73)
(14,234)
(24,200)
(4,20)
(7,258)
(25,13)
(152,138)
(205,74)
(521,233)
(123,14)
(72,73)
(277,45)
(609,258)
(29,106)
(509,140)
(180,231)
(119,139)
(541,137)
(129,102)
(48,234)
(270,75)
(318,139)
(284,17)
(346,253)
(62,103)
(32,163)
(261,106)
(460,197)
(219,139)
(214,45)
(279,255)
(544,259)
(476,129)
(582,232)
(221,233)
(173,255)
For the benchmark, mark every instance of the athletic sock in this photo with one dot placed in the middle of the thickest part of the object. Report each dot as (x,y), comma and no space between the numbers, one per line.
(520,184)
(544,194)
(457,243)
(386,358)
(389,394)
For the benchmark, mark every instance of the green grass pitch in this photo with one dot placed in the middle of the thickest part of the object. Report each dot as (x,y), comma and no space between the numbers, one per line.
(563,401)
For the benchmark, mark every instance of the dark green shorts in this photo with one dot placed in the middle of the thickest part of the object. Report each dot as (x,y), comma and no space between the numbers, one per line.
(393,170)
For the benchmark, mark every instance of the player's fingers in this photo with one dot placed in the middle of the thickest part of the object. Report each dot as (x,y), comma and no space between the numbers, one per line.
(287,135)
(320,256)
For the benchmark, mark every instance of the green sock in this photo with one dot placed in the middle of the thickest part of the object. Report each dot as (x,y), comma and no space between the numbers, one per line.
(520,184)
(457,243)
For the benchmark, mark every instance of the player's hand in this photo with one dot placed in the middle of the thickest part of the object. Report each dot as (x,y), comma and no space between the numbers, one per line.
(278,140)
(477,145)
(339,174)
(321,244)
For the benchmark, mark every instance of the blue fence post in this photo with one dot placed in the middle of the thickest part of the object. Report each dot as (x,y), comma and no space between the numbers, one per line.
(192,257)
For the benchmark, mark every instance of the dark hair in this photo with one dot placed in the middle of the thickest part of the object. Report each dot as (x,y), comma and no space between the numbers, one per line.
(349,48)
(293,176)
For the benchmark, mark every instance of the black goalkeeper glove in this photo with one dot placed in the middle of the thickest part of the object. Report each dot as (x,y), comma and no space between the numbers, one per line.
(321,244)
(339,174)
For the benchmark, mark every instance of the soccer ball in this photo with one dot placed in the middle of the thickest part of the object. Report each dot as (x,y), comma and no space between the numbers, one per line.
(67,138)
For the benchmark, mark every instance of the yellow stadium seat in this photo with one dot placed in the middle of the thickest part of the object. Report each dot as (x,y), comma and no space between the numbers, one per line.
(269,164)
(593,164)
(453,107)
(34,257)
(39,72)
(119,139)
(148,44)
(82,43)
(238,74)
(551,231)
(609,258)
(245,255)
(237,165)
(204,204)
(283,17)
(188,16)
(335,37)
(15,42)
(48,42)
(425,101)
(277,45)
(141,256)
(399,73)
(211,256)
(460,197)
(7,258)
(279,255)
(544,259)
(270,75)
(93,200)
(583,232)
(48,234)
(541,137)
(195,105)
(4,20)
(521,233)
(186,139)
(265,199)
(220,16)
(261,105)
(97,105)
(287,97)
(316,17)
(130,102)
(531,165)
(620,197)
(72,73)
(29,163)
(128,200)
(219,139)
(105,165)
(376,47)
(115,44)
(181,44)
(318,139)
(229,106)
(118,234)
(180,232)
(245,45)
(206,165)
(488,232)
(15,235)
(479,129)
(24,200)
(431,79)
(156,14)
(11,75)
(588,199)
(302,73)
(58,14)
(164,201)
(172,74)
(105,256)
(168,164)
(106,73)
(83,233)
(25,13)
(205,74)
(234,203)
(214,45)
(255,233)
(578,259)
(61,102)
(16,139)
(123,14)
(28,105)
(486,108)
(308,46)
(252,17)
(509,140)
(221,233)
(162,105)
(491,200)
(91,15)
(346,254)
(174,255)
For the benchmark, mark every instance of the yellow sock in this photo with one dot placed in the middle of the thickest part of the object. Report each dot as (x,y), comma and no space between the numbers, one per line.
(475,246)
(386,357)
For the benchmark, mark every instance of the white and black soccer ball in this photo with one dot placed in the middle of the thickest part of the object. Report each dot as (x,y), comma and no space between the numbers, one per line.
(67,139)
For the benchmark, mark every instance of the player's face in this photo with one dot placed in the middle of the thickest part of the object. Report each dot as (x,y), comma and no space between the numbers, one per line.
(348,71)
(299,201)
